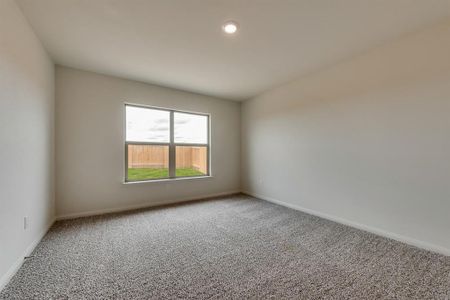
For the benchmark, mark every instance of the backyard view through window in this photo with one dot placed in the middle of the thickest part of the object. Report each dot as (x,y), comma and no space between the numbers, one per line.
(162,143)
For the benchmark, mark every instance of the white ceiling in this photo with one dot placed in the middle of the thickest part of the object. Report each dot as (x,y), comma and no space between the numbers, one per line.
(179,43)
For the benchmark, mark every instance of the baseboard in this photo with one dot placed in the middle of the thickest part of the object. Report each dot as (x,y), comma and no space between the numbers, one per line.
(18,263)
(143,205)
(380,232)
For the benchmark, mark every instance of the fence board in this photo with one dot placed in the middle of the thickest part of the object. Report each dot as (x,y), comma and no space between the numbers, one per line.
(152,156)
(148,156)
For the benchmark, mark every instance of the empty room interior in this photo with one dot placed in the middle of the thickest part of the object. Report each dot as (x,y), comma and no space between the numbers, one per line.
(226,149)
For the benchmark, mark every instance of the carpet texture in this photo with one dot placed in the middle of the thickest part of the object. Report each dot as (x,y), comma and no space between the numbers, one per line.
(234,248)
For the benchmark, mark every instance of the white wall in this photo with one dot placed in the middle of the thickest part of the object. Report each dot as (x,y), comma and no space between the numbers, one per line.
(366,142)
(90,144)
(26,135)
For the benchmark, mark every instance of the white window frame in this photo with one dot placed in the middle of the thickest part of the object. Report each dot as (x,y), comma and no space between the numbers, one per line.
(172,145)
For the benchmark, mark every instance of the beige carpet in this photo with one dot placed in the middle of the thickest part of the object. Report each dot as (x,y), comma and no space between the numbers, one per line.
(229,248)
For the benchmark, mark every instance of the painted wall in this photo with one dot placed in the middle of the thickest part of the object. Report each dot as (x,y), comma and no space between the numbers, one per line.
(27,139)
(90,144)
(365,142)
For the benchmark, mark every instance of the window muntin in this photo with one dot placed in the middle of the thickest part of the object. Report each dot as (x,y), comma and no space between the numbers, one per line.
(165,144)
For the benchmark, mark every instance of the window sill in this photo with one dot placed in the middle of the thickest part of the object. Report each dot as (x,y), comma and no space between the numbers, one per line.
(168,179)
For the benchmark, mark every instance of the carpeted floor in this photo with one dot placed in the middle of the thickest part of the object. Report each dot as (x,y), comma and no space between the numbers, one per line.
(234,247)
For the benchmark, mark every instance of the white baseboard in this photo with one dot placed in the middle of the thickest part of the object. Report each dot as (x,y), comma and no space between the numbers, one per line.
(143,205)
(407,240)
(18,263)
(383,233)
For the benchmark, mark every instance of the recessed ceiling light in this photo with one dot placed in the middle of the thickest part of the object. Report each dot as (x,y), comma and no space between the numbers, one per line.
(230,27)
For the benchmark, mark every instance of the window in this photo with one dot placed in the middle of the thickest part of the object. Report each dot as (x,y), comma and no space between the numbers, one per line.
(165,144)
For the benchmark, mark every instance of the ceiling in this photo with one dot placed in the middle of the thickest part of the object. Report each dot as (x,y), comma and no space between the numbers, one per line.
(179,43)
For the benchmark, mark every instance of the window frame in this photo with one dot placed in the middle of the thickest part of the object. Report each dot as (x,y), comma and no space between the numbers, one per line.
(171,144)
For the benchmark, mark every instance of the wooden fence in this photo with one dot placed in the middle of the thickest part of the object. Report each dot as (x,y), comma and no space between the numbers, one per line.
(199,159)
(150,156)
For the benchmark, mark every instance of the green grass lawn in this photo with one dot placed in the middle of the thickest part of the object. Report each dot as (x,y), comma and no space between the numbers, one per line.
(149,173)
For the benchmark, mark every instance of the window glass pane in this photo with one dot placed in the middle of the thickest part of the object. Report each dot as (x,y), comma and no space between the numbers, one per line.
(147,162)
(191,161)
(190,128)
(147,125)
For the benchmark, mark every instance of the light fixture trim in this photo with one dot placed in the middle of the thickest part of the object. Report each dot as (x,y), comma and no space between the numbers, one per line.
(230,27)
